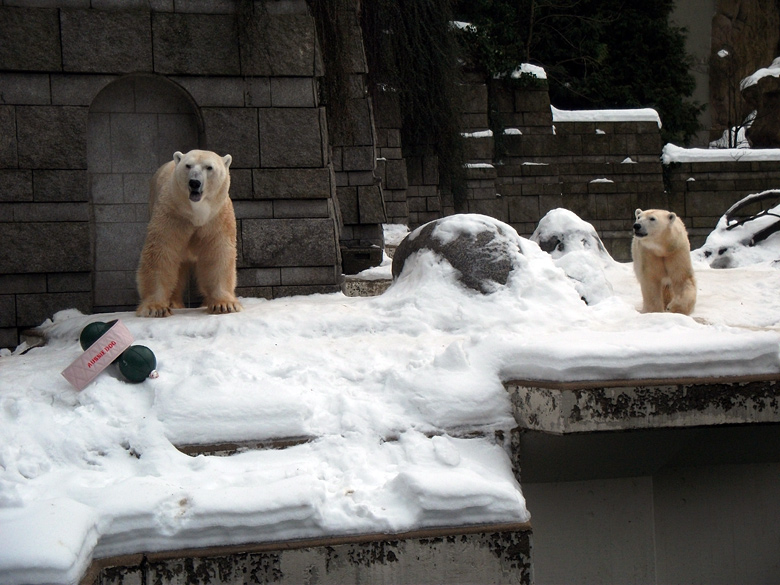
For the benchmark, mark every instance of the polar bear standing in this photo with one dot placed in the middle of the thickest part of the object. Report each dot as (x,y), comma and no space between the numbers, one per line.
(662,262)
(192,222)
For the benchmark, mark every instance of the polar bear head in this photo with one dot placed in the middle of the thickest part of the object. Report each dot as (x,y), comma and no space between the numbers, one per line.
(202,174)
(653,222)
(661,231)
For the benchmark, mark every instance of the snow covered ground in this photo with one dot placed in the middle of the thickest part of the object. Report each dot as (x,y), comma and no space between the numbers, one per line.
(390,390)
(396,397)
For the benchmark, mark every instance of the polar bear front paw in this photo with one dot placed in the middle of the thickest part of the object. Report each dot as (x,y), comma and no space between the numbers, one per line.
(221,307)
(153,310)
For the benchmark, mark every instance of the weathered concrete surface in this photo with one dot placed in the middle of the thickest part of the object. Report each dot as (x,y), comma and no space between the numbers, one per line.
(640,404)
(651,481)
(358,287)
(479,554)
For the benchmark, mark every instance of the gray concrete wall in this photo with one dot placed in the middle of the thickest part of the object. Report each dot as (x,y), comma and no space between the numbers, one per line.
(497,555)
(601,170)
(576,165)
(713,525)
(651,483)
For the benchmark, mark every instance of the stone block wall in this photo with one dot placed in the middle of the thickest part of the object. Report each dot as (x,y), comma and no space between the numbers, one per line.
(424,197)
(703,191)
(354,146)
(603,170)
(94,96)
(134,125)
(391,164)
(600,170)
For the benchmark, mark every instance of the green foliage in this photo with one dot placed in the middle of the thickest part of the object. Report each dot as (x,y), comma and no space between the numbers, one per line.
(597,53)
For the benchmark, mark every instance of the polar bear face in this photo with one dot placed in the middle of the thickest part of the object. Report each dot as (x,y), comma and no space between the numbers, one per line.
(201,173)
(652,222)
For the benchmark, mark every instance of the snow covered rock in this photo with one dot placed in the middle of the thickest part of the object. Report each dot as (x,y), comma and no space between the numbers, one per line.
(577,249)
(760,91)
(745,236)
(562,231)
(483,250)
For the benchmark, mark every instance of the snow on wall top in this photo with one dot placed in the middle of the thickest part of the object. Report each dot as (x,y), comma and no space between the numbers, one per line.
(677,154)
(527,68)
(627,115)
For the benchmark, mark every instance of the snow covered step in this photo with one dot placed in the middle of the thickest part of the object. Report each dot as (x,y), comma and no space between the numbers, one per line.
(577,407)
(486,554)
(227,449)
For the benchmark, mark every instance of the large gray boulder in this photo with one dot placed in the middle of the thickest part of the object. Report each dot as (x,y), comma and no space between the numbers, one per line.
(480,248)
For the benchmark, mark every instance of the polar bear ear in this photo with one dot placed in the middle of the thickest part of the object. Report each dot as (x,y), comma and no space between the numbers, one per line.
(177,156)
(637,213)
(227,159)
(672,215)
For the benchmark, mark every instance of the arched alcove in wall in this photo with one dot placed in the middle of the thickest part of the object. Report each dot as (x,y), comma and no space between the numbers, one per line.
(136,123)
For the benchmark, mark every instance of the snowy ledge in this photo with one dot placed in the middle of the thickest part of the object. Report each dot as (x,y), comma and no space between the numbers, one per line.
(677,154)
(628,115)
(563,408)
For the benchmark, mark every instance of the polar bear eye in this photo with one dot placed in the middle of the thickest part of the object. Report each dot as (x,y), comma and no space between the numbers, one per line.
(652,219)
(209,168)
(188,166)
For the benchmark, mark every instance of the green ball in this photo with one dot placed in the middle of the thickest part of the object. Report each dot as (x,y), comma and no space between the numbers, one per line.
(92,332)
(136,363)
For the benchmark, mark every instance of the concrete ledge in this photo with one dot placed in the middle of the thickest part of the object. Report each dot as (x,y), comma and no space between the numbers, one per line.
(358,287)
(487,554)
(580,407)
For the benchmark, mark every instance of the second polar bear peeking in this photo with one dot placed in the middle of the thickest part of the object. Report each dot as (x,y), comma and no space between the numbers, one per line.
(662,262)
(191,223)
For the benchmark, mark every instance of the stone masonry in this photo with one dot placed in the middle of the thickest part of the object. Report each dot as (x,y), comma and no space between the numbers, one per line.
(600,170)
(704,191)
(354,148)
(94,96)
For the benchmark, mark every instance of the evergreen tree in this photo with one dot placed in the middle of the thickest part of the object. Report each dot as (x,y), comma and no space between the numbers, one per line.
(597,53)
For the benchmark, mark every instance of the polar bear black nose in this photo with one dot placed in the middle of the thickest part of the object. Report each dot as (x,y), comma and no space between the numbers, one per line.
(194,184)
(637,227)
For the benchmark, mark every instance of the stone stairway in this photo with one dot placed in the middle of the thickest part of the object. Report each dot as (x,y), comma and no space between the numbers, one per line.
(486,554)
(609,433)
